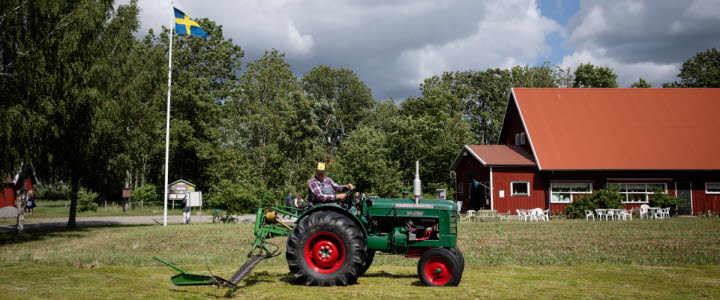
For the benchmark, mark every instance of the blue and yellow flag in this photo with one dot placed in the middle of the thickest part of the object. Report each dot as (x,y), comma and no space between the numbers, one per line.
(183,25)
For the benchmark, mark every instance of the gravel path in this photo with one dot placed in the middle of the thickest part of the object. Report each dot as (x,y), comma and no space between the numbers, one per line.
(99,221)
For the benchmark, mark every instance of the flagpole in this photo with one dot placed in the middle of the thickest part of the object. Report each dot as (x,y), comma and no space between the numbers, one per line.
(167,118)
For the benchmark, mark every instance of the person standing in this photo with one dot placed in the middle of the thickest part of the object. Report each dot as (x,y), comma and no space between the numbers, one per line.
(322,189)
(298,204)
(30,205)
(288,204)
(186,210)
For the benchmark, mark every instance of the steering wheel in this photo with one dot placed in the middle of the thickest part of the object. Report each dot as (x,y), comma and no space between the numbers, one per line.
(349,198)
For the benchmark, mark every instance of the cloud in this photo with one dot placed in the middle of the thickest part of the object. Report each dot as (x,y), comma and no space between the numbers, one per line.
(392,45)
(642,38)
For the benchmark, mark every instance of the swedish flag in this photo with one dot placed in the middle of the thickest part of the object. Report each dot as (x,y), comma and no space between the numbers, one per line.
(183,25)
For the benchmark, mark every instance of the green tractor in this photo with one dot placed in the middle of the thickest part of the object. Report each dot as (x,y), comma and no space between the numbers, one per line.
(334,244)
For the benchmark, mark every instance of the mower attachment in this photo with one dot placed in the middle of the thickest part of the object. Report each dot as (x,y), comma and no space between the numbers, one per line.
(185,278)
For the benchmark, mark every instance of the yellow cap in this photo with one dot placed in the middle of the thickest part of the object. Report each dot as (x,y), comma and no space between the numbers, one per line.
(320,168)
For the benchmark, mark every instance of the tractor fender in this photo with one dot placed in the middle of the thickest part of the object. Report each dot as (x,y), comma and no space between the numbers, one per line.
(335,208)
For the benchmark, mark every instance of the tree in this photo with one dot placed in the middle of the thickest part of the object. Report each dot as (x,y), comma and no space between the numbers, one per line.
(48,51)
(641,83)
(588,75)
(701,70)
(342,97)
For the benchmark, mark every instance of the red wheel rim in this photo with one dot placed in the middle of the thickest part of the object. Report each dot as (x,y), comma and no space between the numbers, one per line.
(437,271)
(324,252)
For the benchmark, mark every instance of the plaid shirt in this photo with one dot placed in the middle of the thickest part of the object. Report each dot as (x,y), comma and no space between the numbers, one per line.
(316,187)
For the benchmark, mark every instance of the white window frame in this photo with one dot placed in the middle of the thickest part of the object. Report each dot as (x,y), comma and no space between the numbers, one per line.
(647,193)
(522,138)
(711,193)
(571,192)
(512,190)
(459,191)
(517,139)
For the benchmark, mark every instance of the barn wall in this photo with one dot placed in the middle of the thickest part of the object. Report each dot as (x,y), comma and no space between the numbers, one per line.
(468,166)
(512,124)
(502,178)
(7,197)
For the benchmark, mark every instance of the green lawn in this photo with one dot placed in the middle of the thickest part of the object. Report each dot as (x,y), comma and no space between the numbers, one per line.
(676,258)
(61,209)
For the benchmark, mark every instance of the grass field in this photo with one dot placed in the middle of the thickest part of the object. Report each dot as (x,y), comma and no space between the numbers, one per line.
(676,258)
(61,209)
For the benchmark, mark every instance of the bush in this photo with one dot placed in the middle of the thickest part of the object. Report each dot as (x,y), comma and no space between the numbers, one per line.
(86,200)
(660,199)
(147,193)
(607,197)
(53,191)
(236,198)
(577,208)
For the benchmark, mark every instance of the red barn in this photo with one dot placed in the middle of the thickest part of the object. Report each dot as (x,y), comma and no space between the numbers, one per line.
(10,185)
(557,144)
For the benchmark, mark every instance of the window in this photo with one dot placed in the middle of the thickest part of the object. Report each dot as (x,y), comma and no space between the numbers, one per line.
(563,192)
(522,138)
(712,188)
(640,192)
(517,139)
(459,188)
(520,188)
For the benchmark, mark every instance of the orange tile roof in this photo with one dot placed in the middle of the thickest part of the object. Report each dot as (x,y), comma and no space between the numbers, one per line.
(497,155)
(622,129)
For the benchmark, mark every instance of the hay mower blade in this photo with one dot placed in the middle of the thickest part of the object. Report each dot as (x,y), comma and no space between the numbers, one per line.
(185,278)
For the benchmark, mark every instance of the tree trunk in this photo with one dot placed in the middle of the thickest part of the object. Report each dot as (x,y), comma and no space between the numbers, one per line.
(20,202)
(74,188)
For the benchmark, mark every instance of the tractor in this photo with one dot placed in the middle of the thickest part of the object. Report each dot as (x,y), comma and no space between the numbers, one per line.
(334,244)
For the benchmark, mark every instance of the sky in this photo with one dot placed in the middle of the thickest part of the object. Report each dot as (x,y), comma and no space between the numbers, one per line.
(394,45)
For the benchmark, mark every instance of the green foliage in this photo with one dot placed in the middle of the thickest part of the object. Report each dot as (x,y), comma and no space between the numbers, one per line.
(57,190)
(365,161)
(147,193)
(661,199)
(237,198)
(86,200)
(577,208)
(587,75)
(701,70)
(607,197)
(641,83)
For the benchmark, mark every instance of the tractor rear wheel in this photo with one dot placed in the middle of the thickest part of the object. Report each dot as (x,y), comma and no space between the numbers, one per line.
(439,267)
(368,262)
(326,248)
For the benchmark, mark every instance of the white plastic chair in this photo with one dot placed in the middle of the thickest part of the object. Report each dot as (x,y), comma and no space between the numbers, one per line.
(624,214)
(588,214)
(665,213)
(644,211)
(546,215)
(610,214)
(658,213)
(537,214)
(601,213)
(523,214)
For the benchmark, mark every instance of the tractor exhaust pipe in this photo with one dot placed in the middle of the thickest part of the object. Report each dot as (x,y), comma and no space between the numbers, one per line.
(417,192)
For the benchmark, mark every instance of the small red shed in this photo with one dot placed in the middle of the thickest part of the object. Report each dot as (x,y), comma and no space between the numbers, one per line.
(10,185)
(557,144)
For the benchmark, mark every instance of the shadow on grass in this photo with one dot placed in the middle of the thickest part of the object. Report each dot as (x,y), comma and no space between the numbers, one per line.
(389,275)
(38,233)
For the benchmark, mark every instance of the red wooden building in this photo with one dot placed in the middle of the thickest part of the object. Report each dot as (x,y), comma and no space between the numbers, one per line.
(557,144)
(10,185)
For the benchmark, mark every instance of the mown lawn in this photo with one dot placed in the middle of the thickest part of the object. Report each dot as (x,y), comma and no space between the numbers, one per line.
(61,209)
(677,258)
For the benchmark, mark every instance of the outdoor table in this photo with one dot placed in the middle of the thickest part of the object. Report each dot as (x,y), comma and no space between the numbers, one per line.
(616,212)
(600,212)
(653,211)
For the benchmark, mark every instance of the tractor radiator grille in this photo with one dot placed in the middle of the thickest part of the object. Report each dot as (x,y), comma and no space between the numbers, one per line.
(453,222)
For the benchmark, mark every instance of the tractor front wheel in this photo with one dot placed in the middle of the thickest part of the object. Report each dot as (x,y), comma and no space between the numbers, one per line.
(439,267)
(326,248)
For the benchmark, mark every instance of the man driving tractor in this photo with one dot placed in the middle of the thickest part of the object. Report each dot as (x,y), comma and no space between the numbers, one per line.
(322,189)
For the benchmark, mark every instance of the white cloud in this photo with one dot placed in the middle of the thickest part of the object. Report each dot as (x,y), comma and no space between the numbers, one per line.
(392,45)
(642,38)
